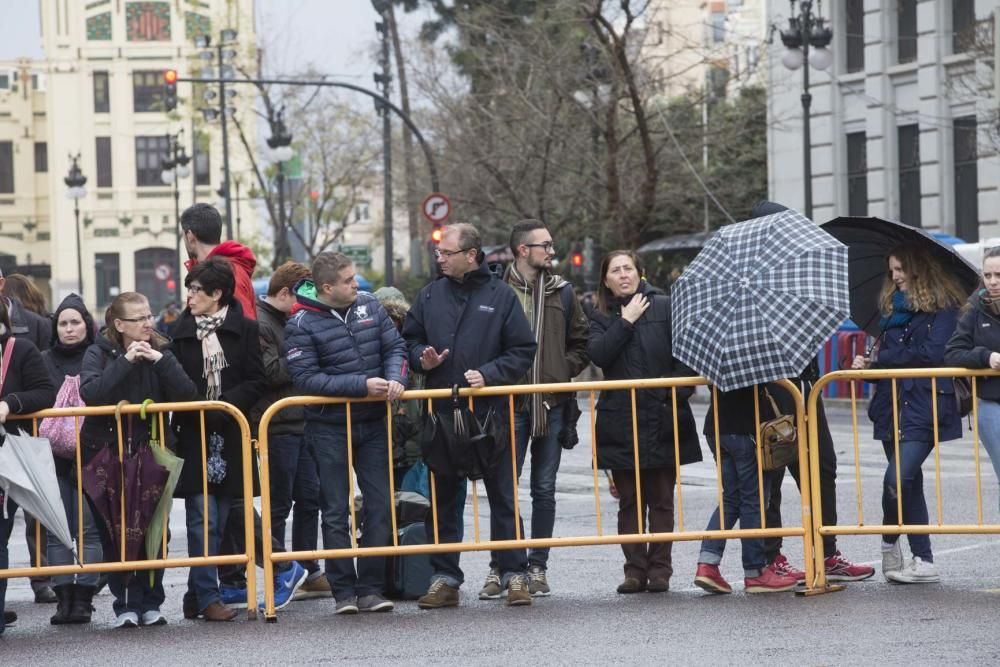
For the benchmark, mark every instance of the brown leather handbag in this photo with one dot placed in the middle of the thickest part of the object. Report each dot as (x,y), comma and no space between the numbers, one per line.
(779,439)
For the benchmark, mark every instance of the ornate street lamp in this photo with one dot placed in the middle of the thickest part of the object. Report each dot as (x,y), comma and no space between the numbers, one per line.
(75,189)
(175,166)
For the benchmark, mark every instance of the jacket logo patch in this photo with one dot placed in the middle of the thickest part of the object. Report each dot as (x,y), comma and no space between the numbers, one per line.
(361,312)
(293,353)
(486,309)
(984,324)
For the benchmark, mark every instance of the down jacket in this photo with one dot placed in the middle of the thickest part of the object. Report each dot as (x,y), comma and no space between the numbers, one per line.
(333,355)
(642,350)
(919,344)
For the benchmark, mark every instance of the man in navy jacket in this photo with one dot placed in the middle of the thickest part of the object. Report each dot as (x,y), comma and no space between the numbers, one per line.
(342,344)
(467,328)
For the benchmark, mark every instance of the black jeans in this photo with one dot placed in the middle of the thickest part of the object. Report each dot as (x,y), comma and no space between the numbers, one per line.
(294,479)
(233,542)
(827,484)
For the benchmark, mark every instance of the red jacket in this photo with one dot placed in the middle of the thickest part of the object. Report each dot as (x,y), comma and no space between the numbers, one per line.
(243,262)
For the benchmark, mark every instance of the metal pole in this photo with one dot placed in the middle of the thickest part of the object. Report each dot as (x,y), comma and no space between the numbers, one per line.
(281,247)
(236,182)
(79,248)
(177,218)
(806,27)
(225,145)
(387,156)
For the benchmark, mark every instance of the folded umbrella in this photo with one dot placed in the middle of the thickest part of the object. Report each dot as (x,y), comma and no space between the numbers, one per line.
(759,300)
(869,242)
(28,476)
(172,464)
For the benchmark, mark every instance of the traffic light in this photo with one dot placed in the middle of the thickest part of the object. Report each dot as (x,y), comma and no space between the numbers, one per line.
(170,90)
(576,260)
(436,233)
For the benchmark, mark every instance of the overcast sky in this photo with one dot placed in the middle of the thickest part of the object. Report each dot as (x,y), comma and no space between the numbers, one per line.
(336,36)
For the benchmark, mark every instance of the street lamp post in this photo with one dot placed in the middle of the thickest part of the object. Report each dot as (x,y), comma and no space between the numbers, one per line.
(174,168)
(224,53)
(385,80)
(75,183)
(281,151)
(805,30)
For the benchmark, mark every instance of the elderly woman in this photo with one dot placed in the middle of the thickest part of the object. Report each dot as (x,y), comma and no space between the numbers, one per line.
(219,349)
(25,387)
(920,303)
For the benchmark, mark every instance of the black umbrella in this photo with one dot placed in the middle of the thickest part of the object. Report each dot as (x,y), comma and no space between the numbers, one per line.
(869,241)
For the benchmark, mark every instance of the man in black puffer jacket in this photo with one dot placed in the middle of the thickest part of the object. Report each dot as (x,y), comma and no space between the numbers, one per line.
(468,329)
(343,344)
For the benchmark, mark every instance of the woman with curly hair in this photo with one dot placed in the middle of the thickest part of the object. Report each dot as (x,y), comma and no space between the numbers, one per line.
(920,303)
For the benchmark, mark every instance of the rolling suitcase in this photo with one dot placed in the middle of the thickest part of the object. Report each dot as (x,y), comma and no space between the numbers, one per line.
(408,577)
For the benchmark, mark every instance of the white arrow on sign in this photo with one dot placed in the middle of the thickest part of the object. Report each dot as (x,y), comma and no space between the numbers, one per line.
(436,207)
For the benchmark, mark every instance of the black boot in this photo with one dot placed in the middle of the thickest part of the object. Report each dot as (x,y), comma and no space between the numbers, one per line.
(65,595)
(83,596)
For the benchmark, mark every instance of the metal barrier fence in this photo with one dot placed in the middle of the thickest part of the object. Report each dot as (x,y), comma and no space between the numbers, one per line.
(852,378)
(599,538)
(122,565)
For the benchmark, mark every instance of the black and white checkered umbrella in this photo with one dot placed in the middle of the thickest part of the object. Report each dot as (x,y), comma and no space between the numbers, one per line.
(759,300)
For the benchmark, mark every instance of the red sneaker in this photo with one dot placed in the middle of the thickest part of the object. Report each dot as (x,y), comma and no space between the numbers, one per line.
(839,568)
(769,581)
(786,569)
(708,578)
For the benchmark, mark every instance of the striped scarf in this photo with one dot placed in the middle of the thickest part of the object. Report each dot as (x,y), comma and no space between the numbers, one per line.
(545,285)
(211,352)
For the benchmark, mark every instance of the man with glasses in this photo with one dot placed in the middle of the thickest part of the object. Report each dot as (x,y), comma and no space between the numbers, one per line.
(466,328)
(561,330)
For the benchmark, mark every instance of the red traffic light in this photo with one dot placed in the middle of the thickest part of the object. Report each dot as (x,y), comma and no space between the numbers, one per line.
(436,235)
(170,76)
(577,259)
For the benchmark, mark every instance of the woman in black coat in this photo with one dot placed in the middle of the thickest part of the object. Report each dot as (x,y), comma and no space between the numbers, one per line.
(72,334)
(630,339)
(25,387)
(128,363)
(220,351)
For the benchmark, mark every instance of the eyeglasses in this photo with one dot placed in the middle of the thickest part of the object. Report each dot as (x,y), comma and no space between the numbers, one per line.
(144,318)
(194,289)
(548,246)
(448,253)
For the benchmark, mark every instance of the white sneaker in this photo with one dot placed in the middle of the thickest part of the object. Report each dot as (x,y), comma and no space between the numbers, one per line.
(918,571)
(892,560)
(127,620)
(153,617)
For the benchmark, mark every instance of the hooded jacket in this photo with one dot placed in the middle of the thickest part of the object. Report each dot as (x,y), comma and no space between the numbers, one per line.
(482,324)
(627,351)
(976,337)
(243,262)
(62,360)
(333,355)
(28,325)
(289,421)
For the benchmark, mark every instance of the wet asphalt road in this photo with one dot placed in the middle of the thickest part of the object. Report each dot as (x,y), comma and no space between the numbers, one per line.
(584,621)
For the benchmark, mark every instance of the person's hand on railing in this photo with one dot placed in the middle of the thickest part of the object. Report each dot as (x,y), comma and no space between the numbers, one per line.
(995,361)
(430,359)
(861,363)
(395,390)
(475,379)
(4,411)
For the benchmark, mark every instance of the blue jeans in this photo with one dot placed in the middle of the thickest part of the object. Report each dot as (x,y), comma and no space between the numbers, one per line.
(912,455)
(292,465)
(546,453)
(500,493)
(6,526)
(371,464)
(93,552)
(741,501)
(203,582)
(989,431)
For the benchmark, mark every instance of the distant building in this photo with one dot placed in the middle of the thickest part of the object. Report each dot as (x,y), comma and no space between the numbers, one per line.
(98,93)
(904,122)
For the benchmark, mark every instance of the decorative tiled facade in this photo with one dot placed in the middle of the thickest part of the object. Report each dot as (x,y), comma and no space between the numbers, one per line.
(99,27)
(147,21)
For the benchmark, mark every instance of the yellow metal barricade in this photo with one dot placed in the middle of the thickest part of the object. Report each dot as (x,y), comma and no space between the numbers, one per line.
(478,544)
(160,410)
(861,527)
